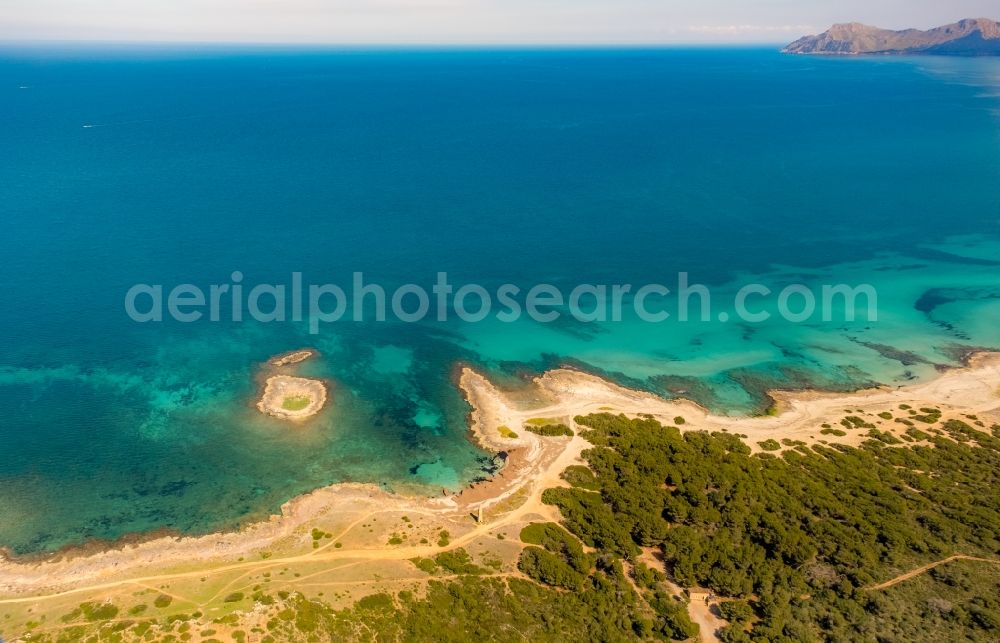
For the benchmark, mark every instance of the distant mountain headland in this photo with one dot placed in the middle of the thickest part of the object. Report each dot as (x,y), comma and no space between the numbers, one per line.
(970,37)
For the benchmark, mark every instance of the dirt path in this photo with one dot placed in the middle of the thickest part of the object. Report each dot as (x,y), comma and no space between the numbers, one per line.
(708,623)
(358,556)
(926,568)
(700,611)
(531,505)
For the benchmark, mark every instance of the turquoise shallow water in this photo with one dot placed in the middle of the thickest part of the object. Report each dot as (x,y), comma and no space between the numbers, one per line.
(564,167)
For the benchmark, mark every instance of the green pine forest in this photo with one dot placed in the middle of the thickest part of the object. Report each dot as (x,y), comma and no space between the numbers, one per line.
(792,541)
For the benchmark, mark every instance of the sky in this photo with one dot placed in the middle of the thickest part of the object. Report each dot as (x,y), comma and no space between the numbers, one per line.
(465,21)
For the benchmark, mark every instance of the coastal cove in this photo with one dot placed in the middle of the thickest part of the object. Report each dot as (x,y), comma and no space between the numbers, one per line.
(366,540)
(626,167)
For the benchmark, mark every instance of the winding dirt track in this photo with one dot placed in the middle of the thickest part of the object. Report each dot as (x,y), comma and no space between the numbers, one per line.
(362,555)
(531,506)
(926,568)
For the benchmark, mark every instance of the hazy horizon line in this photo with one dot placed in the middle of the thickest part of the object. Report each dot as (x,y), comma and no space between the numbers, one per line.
(499,44)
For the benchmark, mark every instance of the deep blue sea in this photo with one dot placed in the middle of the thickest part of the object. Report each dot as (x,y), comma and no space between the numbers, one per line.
(180,165)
